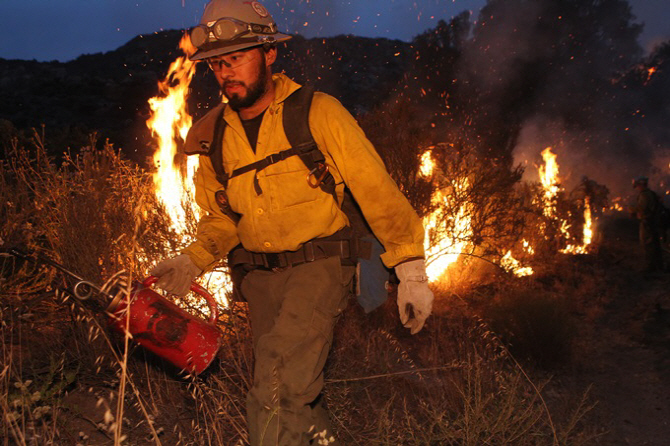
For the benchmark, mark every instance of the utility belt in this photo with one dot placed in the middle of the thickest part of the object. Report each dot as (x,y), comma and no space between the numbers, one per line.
(342,244)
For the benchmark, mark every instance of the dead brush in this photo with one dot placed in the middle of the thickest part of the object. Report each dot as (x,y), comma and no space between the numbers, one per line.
(536,324)
(97,214)
(455,384)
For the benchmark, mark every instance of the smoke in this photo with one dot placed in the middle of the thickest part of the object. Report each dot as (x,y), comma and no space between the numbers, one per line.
(569,74)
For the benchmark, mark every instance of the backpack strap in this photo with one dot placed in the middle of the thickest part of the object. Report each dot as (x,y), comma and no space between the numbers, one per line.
(216,149)
(296,128)
(215,154)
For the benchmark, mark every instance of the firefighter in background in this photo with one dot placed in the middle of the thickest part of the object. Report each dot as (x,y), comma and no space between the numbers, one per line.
(293,308)
(647,210)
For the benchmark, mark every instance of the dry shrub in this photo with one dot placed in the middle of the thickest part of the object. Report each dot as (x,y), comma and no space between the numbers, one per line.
(400,137)
(453,384)
(536,325)
(88,213)
(95,213)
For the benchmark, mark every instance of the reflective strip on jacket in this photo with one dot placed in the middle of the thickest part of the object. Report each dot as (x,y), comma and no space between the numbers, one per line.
(289,212)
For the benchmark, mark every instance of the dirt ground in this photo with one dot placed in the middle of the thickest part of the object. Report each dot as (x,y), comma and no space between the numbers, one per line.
(626,359)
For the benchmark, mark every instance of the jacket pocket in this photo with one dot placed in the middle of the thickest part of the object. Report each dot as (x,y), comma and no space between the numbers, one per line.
(290,189)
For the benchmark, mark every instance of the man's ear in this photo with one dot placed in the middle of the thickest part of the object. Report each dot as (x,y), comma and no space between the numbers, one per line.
(270,56)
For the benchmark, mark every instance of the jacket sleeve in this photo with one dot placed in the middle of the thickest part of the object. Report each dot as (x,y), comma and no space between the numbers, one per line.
(216,234)
(387,211)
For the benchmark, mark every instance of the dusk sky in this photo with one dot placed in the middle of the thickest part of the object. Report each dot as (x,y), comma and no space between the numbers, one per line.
(64,29)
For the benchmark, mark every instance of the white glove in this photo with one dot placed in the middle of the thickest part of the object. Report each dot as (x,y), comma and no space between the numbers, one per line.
(176,274)
(413,290)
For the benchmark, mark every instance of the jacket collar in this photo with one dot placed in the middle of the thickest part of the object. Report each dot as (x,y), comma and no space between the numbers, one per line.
(284,87)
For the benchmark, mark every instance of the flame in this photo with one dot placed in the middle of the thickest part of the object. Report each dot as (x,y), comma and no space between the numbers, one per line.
(650,72)
(512,265)
(549,179)
(427,164)
(528,247)
(169,124)
(616,204)
(587,233)
(444,248)
(550,182)
(588,223)
(169,121)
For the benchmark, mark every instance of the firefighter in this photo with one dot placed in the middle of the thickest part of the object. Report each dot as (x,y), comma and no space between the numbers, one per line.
(647,211)
(295,294)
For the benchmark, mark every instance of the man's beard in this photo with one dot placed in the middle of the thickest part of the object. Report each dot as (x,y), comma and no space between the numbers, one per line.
(254,91)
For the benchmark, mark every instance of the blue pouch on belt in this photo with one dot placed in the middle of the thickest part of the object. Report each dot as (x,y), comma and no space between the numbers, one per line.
(371,277)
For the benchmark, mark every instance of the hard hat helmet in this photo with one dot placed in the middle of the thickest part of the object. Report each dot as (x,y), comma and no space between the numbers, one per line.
(233,25)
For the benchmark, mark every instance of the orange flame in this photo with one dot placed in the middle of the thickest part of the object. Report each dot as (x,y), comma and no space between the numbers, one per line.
(169,124)
(550,182)
(170,121)
(512,265)
(616,204)
(442,248)
(650,72)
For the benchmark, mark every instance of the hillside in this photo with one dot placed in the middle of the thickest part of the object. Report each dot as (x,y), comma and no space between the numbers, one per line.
(108,92)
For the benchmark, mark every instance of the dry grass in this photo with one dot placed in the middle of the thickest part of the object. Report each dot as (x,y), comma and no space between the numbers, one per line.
(66,380)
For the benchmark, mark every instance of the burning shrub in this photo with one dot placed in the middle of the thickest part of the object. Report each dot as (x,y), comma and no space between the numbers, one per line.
(468,202)
(483,192)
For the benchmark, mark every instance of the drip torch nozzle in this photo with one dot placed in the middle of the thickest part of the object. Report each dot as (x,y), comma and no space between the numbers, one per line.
(82,289)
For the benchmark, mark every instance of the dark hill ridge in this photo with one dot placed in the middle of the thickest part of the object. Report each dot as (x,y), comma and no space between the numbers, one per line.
(108,92)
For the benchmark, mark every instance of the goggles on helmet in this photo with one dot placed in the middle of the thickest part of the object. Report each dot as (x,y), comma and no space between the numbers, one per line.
(227,28)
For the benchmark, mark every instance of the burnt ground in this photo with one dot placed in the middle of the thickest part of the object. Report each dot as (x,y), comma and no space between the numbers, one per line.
(624,354)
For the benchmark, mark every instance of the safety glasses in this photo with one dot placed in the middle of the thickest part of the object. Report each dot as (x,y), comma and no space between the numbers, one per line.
(228,28)
(231,61)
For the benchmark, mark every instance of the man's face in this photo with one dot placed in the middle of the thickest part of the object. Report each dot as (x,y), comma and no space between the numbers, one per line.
(242,76)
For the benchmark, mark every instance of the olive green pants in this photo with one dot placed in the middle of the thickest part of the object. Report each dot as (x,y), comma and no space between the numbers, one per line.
(293,313)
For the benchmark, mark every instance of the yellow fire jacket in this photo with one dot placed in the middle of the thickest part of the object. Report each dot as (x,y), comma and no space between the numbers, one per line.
(288,212)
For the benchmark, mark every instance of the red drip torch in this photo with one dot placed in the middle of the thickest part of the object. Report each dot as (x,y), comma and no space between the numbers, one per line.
(151,320)
(160,326)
